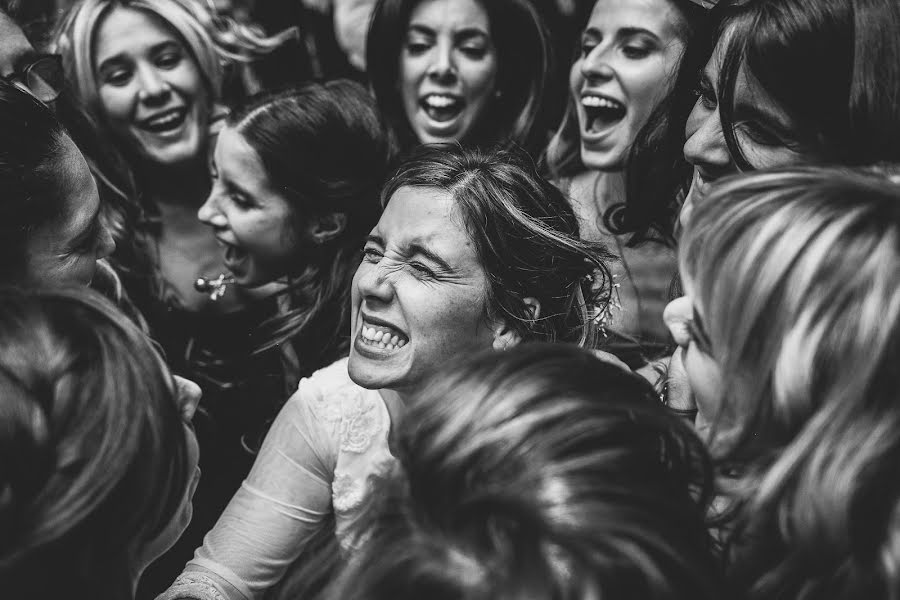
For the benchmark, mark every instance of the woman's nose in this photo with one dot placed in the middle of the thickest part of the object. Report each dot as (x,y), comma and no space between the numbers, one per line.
(676,316)
(374,283)
(442,67)
(153,85)
(596,65)
(210,214)
(705,143)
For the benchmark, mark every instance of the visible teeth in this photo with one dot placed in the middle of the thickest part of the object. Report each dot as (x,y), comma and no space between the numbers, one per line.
(599,102)
(381,338)
(167,119)
(436,101)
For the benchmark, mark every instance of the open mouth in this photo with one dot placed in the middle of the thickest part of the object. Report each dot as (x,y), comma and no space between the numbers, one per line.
(602,112)
(234,255)
(166,121)
(442,107)
(381,335)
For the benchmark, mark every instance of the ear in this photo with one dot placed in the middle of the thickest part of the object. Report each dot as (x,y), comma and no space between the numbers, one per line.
(506,336)
(326,227)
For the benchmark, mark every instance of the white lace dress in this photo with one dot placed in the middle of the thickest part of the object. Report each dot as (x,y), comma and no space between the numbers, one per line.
(322,454)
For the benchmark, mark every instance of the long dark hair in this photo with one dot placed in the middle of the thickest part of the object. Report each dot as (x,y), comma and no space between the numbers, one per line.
(656,171)
(526,237)
(525,58)
(539,472)
(832,65)
(93,453)
(323,146)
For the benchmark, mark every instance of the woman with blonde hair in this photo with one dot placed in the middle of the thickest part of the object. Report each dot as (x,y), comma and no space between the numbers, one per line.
(149,75)
(790,339)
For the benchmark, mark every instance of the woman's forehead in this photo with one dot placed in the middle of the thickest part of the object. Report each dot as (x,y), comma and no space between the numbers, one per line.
(428,217)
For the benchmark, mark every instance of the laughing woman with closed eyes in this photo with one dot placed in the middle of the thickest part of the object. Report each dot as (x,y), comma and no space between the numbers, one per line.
(473,251)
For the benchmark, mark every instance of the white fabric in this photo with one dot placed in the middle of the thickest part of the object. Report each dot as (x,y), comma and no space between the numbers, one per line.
(325,448)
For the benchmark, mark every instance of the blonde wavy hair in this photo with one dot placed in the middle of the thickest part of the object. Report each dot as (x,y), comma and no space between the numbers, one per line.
(797,275)
(213,41)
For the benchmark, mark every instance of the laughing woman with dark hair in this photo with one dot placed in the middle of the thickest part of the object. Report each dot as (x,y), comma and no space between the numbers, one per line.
(633,56)
(473,251)
(468,71)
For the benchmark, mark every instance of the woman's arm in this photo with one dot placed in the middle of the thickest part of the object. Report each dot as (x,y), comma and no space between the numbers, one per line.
(278,508)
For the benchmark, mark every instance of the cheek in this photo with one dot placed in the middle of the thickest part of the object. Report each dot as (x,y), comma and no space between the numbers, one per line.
(117,103)
(648,85)
(705,381)
(460,322)
(576,78)
(764,157)
(480,78)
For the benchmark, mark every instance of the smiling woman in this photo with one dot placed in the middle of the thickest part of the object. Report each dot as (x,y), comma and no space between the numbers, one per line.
(796,82)
(630,56)
(149,73)
(460,70)
(473,251)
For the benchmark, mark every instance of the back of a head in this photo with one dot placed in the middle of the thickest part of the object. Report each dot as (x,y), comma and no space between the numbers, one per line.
(832,66)
(30,148)
(540,472)
(796,274)
(92,447)
(526,237)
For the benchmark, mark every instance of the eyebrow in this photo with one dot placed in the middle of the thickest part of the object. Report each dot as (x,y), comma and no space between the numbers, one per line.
(624,32)
(745,109)
(416,248)
(121,55)
(464,33)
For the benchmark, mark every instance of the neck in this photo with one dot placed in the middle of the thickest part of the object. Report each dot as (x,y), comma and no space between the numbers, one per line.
(186,184)
(608,187)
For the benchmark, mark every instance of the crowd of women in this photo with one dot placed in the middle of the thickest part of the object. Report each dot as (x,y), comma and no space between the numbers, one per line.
(592,299)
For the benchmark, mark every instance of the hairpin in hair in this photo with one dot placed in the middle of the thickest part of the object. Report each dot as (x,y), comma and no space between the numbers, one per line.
(214,287)
(705,3)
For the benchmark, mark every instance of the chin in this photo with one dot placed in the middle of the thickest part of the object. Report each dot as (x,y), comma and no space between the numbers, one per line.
(178,152)
(605,160)
(370,376)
